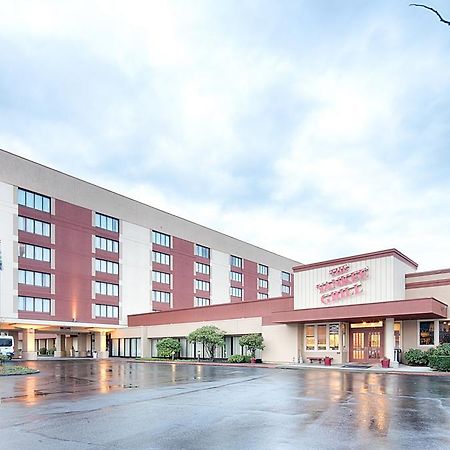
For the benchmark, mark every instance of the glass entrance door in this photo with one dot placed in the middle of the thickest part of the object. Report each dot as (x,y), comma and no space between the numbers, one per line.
(366,344)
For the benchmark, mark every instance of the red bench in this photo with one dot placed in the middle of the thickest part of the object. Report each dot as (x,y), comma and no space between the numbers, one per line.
(318,358)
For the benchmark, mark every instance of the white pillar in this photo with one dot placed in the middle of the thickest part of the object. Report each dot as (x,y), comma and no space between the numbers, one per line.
(389,339)
(82,343)
(436,332)
(29,346)
(60,346)
(100,344)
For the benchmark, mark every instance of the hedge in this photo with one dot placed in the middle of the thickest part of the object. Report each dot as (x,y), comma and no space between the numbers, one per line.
(439,362)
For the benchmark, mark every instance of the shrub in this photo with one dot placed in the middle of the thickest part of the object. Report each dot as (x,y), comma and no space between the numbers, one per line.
(210,336)
(239,359)
(416,357)
(253,342)
(43,351)
(441,350)
(440,362)
(168,347)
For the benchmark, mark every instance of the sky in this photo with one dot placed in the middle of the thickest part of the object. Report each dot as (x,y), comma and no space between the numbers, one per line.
(313,128)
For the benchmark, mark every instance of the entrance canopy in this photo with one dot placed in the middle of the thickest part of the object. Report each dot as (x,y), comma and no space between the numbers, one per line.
(419,308)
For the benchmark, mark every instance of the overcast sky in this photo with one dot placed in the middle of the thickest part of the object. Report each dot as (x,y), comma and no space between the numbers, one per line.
(315,128)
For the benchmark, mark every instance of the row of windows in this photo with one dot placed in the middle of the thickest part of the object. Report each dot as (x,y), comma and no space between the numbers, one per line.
(322,337)
(262,295)
(34,252)
(236,292)
(106,288)
(202,268)
(236,276)
(202,251)
(109,311)
(106,222)
(34,304)
(160,239)
(235,261)
(101,265)
(161,258)
(263,270)
(34,226)
(161,296)
(285,289)
(107,245)
(201,301)
(201,285)
(262,283)
(161,277)
(32,200)
(34,278)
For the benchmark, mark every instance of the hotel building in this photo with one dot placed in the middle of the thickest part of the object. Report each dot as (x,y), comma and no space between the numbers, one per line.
(86,270)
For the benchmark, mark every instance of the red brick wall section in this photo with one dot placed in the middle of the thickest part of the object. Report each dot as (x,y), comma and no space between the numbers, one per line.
(183,273)
(250,280)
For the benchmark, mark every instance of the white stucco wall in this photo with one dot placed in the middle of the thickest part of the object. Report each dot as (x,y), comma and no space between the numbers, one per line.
(275,283)
(220,277)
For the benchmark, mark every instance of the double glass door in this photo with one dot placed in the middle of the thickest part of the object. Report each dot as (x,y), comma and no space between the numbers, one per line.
(366,345)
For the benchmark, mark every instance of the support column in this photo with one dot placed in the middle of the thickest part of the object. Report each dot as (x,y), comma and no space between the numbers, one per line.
(100,344)
(29,346)
(82,345)
(15,335)
(145,344)
(60,345)
(389,340)
(436,332)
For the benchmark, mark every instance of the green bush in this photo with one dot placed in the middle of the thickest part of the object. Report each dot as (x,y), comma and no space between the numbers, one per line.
(416,357)
(43,351)
(239,359)
(167,347)
(440,362)
(441,350)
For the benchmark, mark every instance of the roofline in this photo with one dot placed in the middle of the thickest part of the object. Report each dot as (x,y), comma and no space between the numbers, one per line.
(372,255)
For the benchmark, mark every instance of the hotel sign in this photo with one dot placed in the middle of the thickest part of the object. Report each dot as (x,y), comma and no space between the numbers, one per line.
(345,283)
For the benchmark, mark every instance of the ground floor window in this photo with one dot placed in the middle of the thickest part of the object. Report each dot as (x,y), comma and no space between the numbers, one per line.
(127,347)
(444,332)
(322,337)
(426,332)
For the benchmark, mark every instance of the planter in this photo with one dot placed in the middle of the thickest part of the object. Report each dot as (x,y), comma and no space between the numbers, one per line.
(327,361)
(385,363)
(253,360)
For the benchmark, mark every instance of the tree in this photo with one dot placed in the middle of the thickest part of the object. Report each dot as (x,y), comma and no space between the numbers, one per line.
(253,342)
(167,347)
(419,5)
(210,336)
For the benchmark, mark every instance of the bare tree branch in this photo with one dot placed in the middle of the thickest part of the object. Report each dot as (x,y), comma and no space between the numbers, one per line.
(431,9)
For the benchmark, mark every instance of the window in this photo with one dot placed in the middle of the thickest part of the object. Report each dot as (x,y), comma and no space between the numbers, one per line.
(310,337)
(285,289)
(321,337)
(34,278)
(201,301)
(202,251)
(202,268)
(236,261)
(444,332)
(32,200)
(106,288)
(104,266)
(108,311)
(34,226)
(34,304)
(286,276)
(426,333)
(106,222)
(161,258)
(262,269)
(34,252)
(160,238)
(160,296)
(262,295)
(108,245)
(201,285)
(334,336)
(236,276)
(262,283)
(161,277)
(236,292)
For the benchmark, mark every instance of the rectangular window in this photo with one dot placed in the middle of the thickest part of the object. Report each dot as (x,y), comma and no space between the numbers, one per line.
(34,304)
(426,333)
(34,226)
(202,268)
(262,295)
(108,311)
(104,266)
(106,222)
(201,285)
(236,261)
(108,245)
(236,276)
(263,270)
(103,288)
(33,200)
(202,251)
(34,252)
(161,258)
(161,277)
(161,239)
(201,301)
(285,289)
(334,336)
(262,283)
(444,332)
(321,337)
(160,296)
(310,337)
(286,276)
(34,278)
(236,292)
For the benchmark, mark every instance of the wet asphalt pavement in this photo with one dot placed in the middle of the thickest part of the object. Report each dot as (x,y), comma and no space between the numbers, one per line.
(117,404)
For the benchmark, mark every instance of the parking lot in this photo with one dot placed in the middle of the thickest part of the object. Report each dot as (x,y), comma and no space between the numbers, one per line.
(125,405)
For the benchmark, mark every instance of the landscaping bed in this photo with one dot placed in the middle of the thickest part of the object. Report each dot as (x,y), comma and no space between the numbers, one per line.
(11,369)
